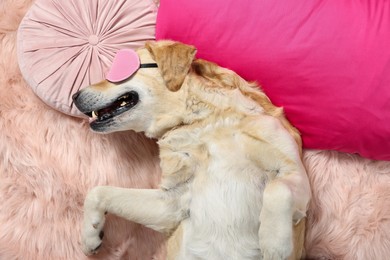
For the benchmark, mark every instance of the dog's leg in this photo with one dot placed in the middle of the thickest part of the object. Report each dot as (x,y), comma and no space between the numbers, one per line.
(156,209)
(299,240)
(286,196)
(281,210)
(275,231)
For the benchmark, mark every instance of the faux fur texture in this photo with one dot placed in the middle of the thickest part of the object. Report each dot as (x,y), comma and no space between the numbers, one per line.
(48,161)
(350,209)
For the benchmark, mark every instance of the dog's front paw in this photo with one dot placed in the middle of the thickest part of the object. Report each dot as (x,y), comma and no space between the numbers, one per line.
(275,244)
(276,222)
(91,243)
(92,230)
(275,249)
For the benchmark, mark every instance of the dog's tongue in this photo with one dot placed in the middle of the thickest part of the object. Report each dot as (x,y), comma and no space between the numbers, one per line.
(125,63)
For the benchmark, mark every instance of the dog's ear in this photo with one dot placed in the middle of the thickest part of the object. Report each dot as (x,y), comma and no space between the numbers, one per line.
(174,61)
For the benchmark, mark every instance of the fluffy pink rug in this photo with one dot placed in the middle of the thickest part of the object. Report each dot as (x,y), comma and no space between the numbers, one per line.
(350,210)
(48,161)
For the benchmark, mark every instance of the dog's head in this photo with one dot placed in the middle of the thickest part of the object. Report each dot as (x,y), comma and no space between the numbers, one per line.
(149,101)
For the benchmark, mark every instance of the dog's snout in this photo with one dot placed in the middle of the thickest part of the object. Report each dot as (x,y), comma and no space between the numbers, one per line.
(75,95)
(79,102)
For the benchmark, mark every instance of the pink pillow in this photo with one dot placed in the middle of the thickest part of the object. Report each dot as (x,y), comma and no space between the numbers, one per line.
(326,62)
(66,45)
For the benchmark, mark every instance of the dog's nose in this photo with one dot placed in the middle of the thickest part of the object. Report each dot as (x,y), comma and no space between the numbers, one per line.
(75,95)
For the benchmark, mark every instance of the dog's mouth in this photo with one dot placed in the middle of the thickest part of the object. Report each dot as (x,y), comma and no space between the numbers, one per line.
(120,105)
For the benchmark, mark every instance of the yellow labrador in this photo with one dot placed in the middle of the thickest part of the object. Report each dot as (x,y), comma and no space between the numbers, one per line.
(232,179)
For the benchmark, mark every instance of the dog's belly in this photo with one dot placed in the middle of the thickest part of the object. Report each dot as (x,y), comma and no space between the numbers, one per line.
(224,213)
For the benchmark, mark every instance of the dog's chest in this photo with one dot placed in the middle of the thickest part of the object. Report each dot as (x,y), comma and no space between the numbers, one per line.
(225,192)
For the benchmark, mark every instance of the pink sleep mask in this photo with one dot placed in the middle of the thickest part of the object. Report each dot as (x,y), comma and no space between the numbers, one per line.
(126,63)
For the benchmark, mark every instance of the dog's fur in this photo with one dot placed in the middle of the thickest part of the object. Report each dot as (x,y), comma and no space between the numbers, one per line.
(232,172)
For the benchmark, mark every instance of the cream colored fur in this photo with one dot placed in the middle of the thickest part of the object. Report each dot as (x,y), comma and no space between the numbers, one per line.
(232,179)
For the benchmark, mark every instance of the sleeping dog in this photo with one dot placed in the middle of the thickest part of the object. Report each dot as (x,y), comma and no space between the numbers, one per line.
(233,184)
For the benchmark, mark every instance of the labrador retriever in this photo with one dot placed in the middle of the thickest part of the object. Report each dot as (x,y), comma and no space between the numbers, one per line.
(233,183)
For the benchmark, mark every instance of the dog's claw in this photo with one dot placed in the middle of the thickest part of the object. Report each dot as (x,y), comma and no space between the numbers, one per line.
(96,249)
(101,234)
(89,251)
(95,225)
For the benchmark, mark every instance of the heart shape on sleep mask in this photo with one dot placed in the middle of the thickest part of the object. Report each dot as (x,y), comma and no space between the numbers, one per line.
(126,62)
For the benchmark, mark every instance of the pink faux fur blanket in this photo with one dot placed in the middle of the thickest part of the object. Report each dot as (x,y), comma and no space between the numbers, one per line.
(48,161)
